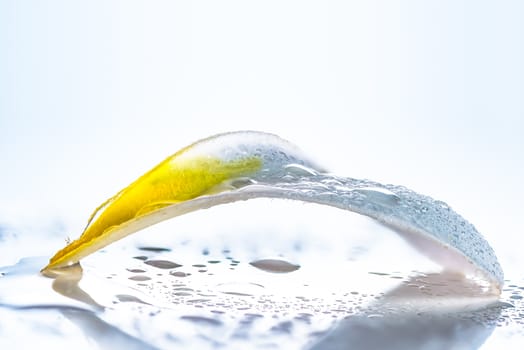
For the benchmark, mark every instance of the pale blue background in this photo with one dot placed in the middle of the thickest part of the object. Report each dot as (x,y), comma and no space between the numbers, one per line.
(427,94)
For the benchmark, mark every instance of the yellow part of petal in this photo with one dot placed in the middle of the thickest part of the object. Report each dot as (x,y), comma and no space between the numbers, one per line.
(172,181)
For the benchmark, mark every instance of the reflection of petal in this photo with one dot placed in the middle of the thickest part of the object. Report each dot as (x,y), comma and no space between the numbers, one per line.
(438,291)
(408,331)
(105,335)
(66,283)
(439,311)
(102,333)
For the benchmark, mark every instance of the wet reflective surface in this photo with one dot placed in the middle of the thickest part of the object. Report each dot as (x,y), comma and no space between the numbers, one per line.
(272,282)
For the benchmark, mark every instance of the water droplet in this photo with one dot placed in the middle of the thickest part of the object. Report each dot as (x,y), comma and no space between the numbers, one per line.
(241,182)
(125,298)
(379,195)
(378,273)
(155,249)
(162,264)
(274,265)
(238,294)
(136,270)
(300,170)
(139,278)
(179,274)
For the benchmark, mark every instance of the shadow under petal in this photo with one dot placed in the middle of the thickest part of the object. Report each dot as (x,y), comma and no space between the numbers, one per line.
(437,311)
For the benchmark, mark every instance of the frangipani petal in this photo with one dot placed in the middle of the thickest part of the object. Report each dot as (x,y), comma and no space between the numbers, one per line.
(244,165)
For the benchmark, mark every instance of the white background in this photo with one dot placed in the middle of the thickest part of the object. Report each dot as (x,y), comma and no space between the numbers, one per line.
(426,94)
